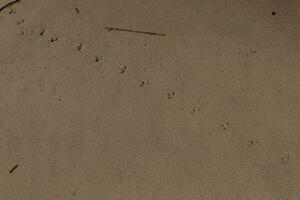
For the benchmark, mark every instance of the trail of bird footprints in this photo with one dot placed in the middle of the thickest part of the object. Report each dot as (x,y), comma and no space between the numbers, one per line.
(52,39)
(123,69)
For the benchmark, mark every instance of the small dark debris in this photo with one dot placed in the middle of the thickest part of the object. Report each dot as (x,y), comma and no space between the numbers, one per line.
(59,99)
(77,10)
(13,169)
(273,13)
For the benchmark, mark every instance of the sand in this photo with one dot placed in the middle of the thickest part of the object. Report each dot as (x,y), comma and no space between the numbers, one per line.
(150,100)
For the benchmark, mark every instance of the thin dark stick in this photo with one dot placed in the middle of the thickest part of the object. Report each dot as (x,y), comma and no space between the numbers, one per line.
(13,169)
(9,4)
(133,31)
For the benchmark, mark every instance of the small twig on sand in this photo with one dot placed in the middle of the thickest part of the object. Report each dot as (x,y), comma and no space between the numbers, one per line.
(9,4)
(133,31)
(13,169)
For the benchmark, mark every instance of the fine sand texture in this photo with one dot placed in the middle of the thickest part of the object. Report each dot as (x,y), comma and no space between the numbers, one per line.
(149,99)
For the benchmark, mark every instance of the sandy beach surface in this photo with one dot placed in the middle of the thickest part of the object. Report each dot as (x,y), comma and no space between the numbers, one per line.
(149,100)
